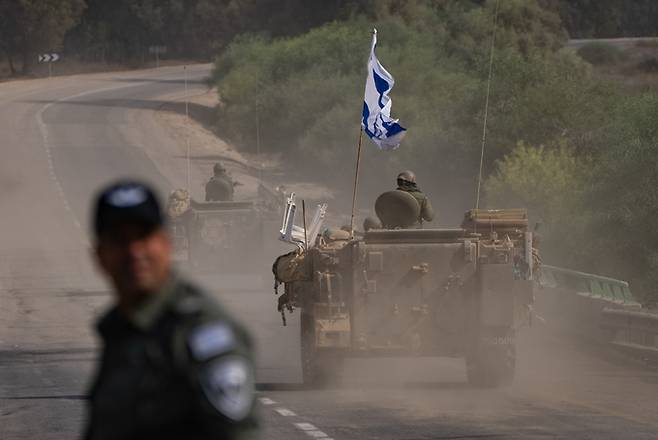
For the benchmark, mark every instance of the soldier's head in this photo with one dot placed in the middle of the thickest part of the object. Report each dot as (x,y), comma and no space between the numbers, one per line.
(178,203)
(179,195)
(132,245)
(406,177)
(218,169)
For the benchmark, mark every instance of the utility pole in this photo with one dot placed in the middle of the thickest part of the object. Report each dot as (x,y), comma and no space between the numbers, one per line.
(187,133)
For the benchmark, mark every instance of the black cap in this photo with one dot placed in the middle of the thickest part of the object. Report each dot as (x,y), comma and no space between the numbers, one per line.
(126,202)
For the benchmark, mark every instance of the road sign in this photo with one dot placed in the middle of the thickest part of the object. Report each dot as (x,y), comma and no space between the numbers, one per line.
(157,49)
(48,58)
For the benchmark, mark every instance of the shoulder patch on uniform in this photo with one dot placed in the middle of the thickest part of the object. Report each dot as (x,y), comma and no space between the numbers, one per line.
(229,385)
(210,340)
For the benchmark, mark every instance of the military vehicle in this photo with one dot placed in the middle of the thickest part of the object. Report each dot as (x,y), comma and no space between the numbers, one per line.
(220,236)
(406,291)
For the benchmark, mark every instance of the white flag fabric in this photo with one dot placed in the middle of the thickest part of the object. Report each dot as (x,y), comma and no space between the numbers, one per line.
(377,123)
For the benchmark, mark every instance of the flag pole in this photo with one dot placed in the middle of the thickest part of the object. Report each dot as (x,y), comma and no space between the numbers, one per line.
(356,180)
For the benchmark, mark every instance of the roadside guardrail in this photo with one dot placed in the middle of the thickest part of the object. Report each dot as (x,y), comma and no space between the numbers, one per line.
(600,309)
(589,285)
(635,331)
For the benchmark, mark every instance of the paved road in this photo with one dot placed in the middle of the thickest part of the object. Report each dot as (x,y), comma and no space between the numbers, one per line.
(64,137)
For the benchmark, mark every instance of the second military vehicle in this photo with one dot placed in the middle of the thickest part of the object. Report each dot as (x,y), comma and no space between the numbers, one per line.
(220,236)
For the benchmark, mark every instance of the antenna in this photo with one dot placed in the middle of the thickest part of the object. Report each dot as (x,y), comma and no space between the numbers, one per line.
(305,233)
(486,103)
(187,131)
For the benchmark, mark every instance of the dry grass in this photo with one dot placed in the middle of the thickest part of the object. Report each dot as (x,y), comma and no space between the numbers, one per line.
(633,70)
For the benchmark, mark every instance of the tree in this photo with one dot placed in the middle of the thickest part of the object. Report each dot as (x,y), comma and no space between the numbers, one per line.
(552,184)
(599,213)
(307,90)
(623,238)
(30,26)
(607,18)
(9,31)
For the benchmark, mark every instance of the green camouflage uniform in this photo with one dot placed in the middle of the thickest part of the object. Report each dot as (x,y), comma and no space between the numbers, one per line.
(426,211)
(219,188)
(179,368)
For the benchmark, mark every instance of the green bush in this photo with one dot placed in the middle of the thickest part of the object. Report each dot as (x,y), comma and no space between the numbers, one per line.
(623,238)
(587,166)
(599,213)
(307,91)
(551,183)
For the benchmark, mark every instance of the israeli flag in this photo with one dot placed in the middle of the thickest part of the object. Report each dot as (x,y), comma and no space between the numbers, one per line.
(377,122)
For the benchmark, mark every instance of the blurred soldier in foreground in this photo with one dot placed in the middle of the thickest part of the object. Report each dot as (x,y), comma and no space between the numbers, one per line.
(407,183)
(174,364)
(220,186)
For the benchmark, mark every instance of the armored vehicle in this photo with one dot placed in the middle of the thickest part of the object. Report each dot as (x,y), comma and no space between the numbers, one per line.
(220,236)
(458,292)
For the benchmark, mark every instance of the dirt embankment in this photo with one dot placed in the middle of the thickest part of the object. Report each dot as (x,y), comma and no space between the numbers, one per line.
(189,120)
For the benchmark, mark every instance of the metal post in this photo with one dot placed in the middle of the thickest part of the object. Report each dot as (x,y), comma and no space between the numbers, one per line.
(260,160)
(528,254)
(486,103)
(50,69)
(157,57)
(187,132)
(304,220)
(356,181)
(187,106)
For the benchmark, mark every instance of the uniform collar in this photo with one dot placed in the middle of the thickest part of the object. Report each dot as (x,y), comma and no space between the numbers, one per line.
(150,310)
(146,314)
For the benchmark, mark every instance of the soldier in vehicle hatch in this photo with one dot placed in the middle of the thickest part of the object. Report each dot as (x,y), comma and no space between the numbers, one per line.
(407,183)
(220,186)
(175,364)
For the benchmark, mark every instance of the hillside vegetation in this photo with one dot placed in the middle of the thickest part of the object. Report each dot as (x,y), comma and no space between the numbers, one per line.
(572,134)
(578,150)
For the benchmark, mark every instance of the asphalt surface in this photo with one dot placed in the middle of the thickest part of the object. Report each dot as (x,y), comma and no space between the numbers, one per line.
(63,138)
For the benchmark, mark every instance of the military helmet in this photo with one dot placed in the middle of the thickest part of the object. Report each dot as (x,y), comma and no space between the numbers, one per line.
(407,176)
(218,168)
(178,203)
(179,194)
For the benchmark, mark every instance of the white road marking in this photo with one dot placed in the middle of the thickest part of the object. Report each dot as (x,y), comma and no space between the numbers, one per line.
(306,426)
(317,434)
(312,431)
(47,145)
(285,412)
(266,401)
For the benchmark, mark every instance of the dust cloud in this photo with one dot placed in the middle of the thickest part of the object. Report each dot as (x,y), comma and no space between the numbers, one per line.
(561,362)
